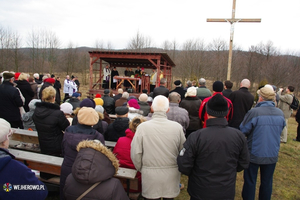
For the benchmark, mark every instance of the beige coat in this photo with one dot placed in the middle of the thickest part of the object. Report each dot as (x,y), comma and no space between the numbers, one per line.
(284,104)
(154,151)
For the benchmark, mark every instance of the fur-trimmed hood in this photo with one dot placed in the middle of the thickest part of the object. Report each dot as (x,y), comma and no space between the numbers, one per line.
(94,163)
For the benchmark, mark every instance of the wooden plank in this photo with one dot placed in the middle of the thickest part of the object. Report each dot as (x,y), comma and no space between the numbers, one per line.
(26,136)
(40,162)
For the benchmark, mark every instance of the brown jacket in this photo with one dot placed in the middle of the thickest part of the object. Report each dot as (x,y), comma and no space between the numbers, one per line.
(120,102)
(94,163)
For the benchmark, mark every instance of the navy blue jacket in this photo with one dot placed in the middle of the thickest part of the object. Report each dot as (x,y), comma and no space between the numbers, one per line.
(16,173)
(262,126)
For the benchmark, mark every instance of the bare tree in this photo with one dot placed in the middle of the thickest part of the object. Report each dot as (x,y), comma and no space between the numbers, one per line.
(139,42)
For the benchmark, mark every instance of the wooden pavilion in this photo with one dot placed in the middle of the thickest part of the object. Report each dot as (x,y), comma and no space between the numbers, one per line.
(98,60)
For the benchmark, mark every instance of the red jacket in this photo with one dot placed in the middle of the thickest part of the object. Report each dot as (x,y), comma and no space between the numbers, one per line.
(122,152)
(203,113)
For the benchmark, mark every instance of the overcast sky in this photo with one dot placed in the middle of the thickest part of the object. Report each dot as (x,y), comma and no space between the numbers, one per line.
(117,21)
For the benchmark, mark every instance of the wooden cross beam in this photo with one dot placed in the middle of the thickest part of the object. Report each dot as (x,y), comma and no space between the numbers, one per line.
(232,21)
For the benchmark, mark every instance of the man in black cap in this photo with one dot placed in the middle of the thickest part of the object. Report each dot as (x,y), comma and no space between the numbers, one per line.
(179,89)
(118,127)
(212,156)
(10,101)
(217,88)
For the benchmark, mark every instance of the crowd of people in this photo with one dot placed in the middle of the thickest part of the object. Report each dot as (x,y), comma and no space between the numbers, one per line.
(208,135)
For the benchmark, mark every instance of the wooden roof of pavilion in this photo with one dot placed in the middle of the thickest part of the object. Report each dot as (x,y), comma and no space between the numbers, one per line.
(132,59)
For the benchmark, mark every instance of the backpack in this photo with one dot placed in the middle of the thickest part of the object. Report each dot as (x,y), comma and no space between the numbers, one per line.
(295,103)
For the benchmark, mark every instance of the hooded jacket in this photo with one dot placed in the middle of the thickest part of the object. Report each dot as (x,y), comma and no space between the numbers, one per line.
(116,129)
(50,122)
(16,173)
(109,104)
(94,163)
(74,135)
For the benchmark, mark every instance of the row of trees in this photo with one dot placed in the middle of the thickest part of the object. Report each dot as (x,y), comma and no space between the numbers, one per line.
(193,58)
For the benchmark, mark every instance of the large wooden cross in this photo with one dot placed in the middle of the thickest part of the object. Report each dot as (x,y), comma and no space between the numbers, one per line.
(232,21)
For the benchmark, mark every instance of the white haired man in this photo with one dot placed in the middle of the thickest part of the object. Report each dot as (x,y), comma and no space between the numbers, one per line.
(154,150)
(202,91)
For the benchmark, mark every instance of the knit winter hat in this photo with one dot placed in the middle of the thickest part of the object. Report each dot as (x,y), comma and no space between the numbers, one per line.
(31,104)
(5,130)
(191,92)
(17,74)
(87,103)
(218,86)
(76,94)
(98,96)
(88,116)
(217,106)
(133,103)
(143,97)
(67,108)
(99,108)
(99,101)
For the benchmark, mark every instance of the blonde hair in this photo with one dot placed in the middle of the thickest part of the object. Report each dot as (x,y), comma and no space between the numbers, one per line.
(135,122)
(48,94)
(23,76)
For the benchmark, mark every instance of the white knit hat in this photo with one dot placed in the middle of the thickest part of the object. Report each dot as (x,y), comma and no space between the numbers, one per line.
(67,108)
(191,92)
(5,129)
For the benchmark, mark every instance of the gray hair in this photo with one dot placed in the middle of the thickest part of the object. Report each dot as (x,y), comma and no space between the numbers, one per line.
(160,104)
(189,83)
(202,81)
(174,97)
(163,81)
(125,95)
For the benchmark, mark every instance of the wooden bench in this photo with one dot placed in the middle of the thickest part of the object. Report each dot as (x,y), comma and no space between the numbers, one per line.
(52,165)
(26,136)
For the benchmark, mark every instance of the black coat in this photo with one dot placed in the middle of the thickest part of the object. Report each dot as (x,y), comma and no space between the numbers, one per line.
(109,104)
(242,101)
(50,122)
(116,129)
(26,91)
(161,90)
(180,91)
(10,101)
(57,86)
(211,158)
(192,105)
